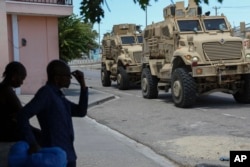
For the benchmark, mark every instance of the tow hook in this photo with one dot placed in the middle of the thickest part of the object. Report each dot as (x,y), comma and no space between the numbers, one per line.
(219,71)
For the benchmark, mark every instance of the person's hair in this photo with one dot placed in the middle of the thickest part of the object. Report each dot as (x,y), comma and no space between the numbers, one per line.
(14,68)
(56,67)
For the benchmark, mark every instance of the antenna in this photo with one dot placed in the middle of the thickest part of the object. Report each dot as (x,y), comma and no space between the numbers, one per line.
(107,6)
(216,10)
(172,1)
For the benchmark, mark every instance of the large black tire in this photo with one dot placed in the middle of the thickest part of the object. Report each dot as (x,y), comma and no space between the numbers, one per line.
(122,78)
(183,88)
(105,77)
(149,84)
(243,95)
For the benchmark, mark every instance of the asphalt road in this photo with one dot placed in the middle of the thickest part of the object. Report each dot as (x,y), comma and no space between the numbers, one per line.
(198,136)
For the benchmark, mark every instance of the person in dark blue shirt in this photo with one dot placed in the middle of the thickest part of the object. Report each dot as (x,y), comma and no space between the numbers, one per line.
(54,112)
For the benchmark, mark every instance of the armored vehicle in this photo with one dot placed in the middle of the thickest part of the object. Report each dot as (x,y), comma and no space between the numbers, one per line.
(193,54)
(121,56)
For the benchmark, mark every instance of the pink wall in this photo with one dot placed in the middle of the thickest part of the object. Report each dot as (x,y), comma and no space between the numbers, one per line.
(4,55)
(38,24)
(41,34)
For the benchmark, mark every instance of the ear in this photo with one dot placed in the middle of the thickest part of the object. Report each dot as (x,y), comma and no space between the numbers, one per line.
(13,77)
(56,80)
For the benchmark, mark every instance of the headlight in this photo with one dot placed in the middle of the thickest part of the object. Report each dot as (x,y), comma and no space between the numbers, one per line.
(248,56)
(195,61)
(127,62)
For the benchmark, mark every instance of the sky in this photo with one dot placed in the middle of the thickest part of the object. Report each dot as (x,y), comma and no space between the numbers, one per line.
(126,11)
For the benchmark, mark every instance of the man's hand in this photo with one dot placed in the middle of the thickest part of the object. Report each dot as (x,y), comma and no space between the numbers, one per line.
(79,76)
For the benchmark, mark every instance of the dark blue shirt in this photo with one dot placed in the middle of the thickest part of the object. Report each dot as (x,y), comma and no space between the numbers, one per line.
(54,113)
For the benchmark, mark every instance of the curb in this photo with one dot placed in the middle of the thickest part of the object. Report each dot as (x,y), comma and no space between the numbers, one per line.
(102,100)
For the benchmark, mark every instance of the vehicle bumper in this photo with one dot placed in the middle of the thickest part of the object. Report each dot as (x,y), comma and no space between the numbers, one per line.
(221,70)
(134,69)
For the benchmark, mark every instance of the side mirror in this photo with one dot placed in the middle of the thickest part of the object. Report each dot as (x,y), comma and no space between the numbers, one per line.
(248,35)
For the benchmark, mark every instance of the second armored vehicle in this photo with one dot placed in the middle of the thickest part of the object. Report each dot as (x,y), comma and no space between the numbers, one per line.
(121,56)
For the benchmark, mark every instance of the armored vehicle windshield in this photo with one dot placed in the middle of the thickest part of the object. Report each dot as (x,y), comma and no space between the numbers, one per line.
(215,24)
(189,25)
(131,39)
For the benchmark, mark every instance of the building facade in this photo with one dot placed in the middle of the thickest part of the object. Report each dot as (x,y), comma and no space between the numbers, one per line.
(29,34)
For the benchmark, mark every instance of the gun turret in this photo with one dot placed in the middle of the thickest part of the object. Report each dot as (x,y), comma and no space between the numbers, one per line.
(124,29)
(178,10)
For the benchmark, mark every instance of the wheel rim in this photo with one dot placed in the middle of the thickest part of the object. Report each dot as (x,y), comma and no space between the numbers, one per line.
(119,77)
(177,88)
(102,76)
(144,84)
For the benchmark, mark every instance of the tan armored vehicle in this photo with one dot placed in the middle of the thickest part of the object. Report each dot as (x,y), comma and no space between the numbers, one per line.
(121,56)
(193,54)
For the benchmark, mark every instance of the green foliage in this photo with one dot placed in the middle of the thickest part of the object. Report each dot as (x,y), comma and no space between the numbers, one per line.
(92,10)
(75,38)
(205,1)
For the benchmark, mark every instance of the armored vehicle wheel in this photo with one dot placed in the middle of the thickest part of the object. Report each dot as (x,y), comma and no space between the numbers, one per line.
(122,79)
(105,77)
(149,84)
(243,95)
(183,88)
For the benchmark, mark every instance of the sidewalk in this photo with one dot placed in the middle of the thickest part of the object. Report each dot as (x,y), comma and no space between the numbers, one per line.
(95,97)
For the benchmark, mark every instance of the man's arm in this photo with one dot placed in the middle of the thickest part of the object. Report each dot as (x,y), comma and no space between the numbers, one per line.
(80,110)
(12,101)
(29,110)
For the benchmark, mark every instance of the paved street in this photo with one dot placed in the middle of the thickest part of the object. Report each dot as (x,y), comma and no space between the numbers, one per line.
(99,146)
(197,136)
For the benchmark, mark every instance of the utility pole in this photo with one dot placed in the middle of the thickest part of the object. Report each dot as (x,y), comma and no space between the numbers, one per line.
(216,9)
(99,36)
(146,14)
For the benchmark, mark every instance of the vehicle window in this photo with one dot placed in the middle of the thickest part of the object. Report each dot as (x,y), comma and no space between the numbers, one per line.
(128,40)
(189,25)
(215,24)
(139,39)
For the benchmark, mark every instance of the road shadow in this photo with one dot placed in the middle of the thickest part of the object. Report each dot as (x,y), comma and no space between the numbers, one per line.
(216,100)
(75,91)
(131,87)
